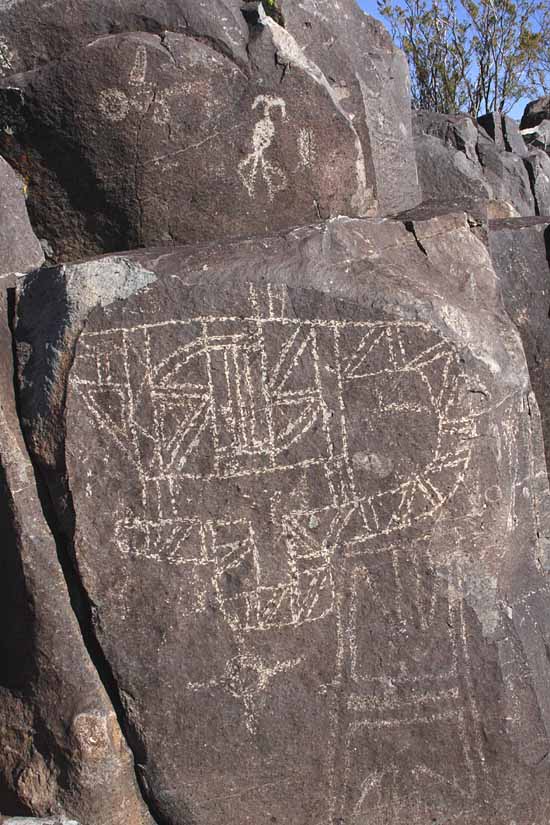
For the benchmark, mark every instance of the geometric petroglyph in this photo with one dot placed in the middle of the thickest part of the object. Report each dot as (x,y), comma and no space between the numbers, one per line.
(266,401)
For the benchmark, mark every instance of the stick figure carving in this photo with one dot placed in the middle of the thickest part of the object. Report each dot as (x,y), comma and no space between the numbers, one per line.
(262,138)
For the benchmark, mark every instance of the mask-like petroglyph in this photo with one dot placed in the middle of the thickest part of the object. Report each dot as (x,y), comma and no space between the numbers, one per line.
(262,138)
(297,415)
(116,105)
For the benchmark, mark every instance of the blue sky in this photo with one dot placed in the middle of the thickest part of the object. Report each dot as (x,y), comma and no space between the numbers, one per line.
(371,7)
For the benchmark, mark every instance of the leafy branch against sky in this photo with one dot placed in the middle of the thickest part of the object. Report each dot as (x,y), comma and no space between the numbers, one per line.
(471,55)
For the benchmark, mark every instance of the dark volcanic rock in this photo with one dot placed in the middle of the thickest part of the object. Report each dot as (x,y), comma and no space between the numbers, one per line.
(24,820)
(204,127)
(520,250)
(537,164)
(19,247)
(370,77)
(136,138)
(505,132)
(368,74)
(300,478)
(538,136)
(34,33)
(61,745)
(458,158)
(535,112)
(507,176)
(448,166)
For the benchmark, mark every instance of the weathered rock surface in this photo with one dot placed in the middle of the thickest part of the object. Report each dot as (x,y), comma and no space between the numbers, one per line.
(24,820)
(370,77)
(61,746)
(320,456)
(537,164)
(213,131)
(535,112)
(34,33)
(538,136)
(505,133)
(19,247)
(520,250)
(173,141)
(487,160)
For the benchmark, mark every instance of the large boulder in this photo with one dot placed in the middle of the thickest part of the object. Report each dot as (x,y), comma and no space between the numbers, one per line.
(505,133)
(447,159)
(537,164)
(19,247)
(458,157)
(33,33)
(299,481)
(62,750)
(371,79)
(535,112)
(137,138)
(538,136)
(520,250)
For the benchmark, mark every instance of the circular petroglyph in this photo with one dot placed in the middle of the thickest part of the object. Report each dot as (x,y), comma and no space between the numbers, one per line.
(114,104)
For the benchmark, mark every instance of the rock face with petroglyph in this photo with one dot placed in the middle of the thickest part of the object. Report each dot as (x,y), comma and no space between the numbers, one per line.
(35,33)
(136,139)
(158,125)
(320,457)
(370,77)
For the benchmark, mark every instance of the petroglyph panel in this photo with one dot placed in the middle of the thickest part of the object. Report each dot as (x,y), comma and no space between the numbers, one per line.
(181,143)
(285,478)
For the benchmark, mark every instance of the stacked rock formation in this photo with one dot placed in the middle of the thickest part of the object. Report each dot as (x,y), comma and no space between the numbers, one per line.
(274,499)
(485,162)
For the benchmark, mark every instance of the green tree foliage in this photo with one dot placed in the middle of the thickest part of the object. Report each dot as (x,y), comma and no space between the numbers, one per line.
(476,56)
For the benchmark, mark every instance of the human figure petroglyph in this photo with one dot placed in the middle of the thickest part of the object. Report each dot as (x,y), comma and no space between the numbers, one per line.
(262,139)
(246,677)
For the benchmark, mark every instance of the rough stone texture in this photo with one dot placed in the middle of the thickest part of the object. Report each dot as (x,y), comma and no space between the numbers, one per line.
(174,141)
(520,250)
(24,820)
(448,166)
(319,456)
(507,177)
(458,158)
(62,750)
(537,164)
(19,247)
(34,33)
(538,136)
(370,77)
(505,133)
(535,112)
